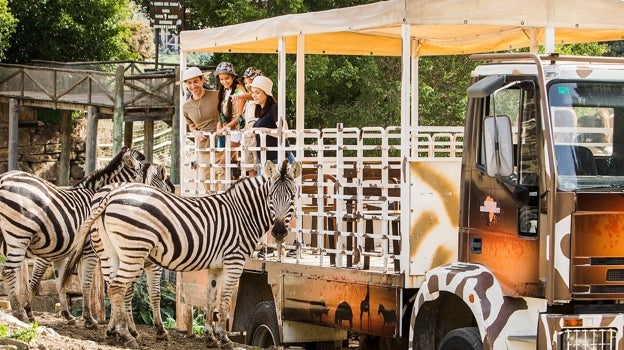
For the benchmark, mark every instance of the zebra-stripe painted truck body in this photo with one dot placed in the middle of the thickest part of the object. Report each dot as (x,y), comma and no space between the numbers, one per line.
(541,225)
(506,234)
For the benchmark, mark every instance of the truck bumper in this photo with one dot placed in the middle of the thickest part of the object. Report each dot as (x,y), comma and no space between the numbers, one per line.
(582,331)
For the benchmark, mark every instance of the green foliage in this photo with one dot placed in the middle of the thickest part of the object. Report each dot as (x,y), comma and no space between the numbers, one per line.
(169,323)
(443,84)
(138,38)
(587,49)
(198,321)
(615,48)
(49,116)
(25,334)
(7,27)
(141,307)
(68,30)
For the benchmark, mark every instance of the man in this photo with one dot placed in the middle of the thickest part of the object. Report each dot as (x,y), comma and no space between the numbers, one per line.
(202,115)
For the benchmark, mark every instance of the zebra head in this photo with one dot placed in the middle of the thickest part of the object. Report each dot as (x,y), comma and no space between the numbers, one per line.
(156,175)
(282,190)
(126,166)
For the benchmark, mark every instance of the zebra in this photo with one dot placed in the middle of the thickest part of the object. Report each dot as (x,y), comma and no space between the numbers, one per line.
(154,176)
(39,219)
(136,224)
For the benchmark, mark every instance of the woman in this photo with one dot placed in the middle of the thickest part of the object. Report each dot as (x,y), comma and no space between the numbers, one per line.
(266,111)
(230,110)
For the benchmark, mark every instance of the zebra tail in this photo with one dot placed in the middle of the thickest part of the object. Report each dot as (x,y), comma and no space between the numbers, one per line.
(81,238)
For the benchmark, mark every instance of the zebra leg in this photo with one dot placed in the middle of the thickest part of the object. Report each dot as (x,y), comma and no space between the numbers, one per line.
(214,278)
(59,266)
(118,325)
(128,308)
(87,272)
(41,266)
(10,275)
(231,275)
(153,273)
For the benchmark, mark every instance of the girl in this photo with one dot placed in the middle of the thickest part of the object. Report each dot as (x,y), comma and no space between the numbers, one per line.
(230,110)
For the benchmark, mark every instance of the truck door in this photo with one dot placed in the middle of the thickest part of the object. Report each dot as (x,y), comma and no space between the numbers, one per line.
(500,176)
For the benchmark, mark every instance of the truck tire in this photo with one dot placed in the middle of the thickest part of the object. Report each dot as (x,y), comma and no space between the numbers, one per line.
(262,330)
(467,338)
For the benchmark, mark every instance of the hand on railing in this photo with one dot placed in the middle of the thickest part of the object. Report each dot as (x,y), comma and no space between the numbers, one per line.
(199,135)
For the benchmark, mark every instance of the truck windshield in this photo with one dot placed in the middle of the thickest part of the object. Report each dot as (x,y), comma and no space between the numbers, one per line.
(588,133)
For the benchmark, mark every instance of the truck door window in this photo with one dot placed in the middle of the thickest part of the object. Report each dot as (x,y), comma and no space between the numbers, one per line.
(528,142)
(587,126)
(517,100)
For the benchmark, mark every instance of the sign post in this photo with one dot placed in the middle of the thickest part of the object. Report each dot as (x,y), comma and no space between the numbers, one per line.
(165,15)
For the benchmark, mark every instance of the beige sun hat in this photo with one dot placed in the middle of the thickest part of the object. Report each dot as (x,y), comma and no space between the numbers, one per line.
(263,83)
(191,72)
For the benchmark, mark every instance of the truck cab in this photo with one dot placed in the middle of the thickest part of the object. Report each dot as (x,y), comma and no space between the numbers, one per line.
(540,226)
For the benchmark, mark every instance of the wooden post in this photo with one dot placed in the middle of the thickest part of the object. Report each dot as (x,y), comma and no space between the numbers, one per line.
(66,130)
(175,135)
(98,310)
(91,140)
(184,308)
(148,140)
(127,135)
(22,281)
(118,114)
(13,134)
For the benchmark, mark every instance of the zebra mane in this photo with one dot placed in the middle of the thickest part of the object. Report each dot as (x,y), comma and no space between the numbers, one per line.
(91,180)
(256,181)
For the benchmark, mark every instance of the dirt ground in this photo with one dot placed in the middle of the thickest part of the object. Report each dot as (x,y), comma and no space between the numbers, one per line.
(55,334)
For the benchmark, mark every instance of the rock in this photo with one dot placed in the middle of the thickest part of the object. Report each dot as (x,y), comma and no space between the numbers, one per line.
(7,343)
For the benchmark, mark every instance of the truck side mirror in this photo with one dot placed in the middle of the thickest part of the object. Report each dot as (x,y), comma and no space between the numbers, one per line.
(498,144)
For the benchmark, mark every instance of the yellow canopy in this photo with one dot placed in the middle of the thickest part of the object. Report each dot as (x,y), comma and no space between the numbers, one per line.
(440,27)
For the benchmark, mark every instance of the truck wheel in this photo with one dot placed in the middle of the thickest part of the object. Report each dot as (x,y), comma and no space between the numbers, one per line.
(262,330)
(467,338)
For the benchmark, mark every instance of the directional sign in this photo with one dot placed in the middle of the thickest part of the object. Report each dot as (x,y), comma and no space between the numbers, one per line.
(166,14)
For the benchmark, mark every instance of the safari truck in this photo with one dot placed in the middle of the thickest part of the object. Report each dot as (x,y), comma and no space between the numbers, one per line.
(506,233)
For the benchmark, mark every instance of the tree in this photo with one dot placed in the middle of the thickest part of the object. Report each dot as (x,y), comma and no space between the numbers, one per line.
(68,30)
(139,39)
(7,27)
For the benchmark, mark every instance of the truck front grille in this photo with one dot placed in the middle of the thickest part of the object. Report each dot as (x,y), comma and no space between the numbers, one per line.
(587,339)
(615,275)
(606,289)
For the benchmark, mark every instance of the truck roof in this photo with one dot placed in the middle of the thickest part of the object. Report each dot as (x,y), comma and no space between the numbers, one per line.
(554,66)
(443,27)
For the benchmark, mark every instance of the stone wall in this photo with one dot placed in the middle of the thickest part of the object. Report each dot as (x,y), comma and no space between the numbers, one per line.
(40,146)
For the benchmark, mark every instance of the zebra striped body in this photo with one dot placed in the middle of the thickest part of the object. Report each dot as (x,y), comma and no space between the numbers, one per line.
(155,176)
(39,219)
(136,224)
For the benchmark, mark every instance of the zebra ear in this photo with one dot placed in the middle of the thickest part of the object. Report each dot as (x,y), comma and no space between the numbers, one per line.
(295,170)
(130,162)
(162,171)
(269,170)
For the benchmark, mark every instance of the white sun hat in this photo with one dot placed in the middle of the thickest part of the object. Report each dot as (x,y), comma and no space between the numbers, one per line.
(263,83)
(191,73)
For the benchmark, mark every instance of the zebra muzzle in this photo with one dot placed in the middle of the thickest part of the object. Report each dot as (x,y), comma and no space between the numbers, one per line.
(279,231)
